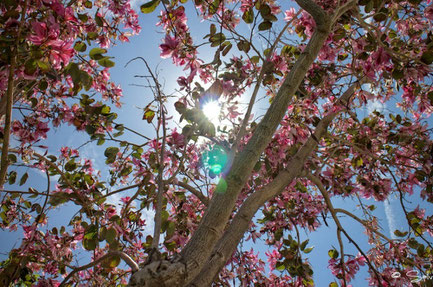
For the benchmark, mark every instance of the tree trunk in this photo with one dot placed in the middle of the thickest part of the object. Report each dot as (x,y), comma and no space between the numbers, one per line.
(213,242)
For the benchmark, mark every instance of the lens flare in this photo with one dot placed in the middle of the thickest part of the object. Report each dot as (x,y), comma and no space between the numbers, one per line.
(215,160)
(212,111)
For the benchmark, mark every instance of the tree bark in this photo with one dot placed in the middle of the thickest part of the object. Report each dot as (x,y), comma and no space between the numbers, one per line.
(240,223)
(210,244)
(211,228)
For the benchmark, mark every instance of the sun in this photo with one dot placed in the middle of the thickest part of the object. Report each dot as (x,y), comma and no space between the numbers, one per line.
(212,111)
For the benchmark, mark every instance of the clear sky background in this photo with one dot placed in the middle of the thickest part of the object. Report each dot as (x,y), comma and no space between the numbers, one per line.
(135,98)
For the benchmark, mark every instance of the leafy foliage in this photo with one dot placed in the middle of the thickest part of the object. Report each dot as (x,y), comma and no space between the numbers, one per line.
(261,173)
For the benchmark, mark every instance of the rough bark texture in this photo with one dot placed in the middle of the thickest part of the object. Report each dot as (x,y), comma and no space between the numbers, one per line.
(240,223)
(161,273)
(213,242)
(221,206)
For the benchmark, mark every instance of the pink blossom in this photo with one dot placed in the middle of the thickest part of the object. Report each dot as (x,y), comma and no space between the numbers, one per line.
(428,12)
(40,33)
(273,257)
(61,52)
(289,14)
(125,199)
(168,47)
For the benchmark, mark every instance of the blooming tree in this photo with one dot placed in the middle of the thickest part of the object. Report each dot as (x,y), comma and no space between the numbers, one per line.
(214,185)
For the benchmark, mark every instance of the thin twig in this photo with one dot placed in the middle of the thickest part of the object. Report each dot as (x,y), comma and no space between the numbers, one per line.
(328,202)
(120,190)
(128,260)
(194,191)
(9,100)
(159,196)
(242,130)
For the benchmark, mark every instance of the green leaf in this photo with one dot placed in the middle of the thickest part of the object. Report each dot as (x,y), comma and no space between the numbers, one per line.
(265,25)
(125,171)
(213,7)
(397,74)
(333,253)
(227,49)
(101,141)
(106,62)
(99,21)
(400,234)
(111,262)
(180,107)
(280,266)
(217,39)
(339,34)
(12,177)
(88,4)
(86,80)
(304,244)
(92,35)
(207,128)
(265,10)
(248,16)
(90,129)
(83,17)
(413,243)
(59,198)
(333,284)
(111,151)
(427,57)
(243,46)
(91,232)
(271,18)
(24,178)
(44,66)
(381,16)
(420,250)
(96,53)
(148,115)
(111,235)
(212,29)
(105,110)
(359,162)
(43,85)
(149,7)
(369,7)
(12,158)
(70,165)
(30,67)
(90,244)
(308,250)
(255,59)
(170,230)
(74,71)
(164,215)
(80,46)
(27,204)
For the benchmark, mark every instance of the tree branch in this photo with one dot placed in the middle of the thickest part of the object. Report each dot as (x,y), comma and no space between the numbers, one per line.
(318,14)
(194,191)
(211,227)
(242,130)
(328,202)
(9,100)
(128,260)
(390,241)
(242,219)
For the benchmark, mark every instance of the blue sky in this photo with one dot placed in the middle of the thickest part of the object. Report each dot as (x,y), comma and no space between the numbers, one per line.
(146,45)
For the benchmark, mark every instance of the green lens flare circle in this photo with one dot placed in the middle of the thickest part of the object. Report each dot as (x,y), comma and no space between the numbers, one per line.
(215,159)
